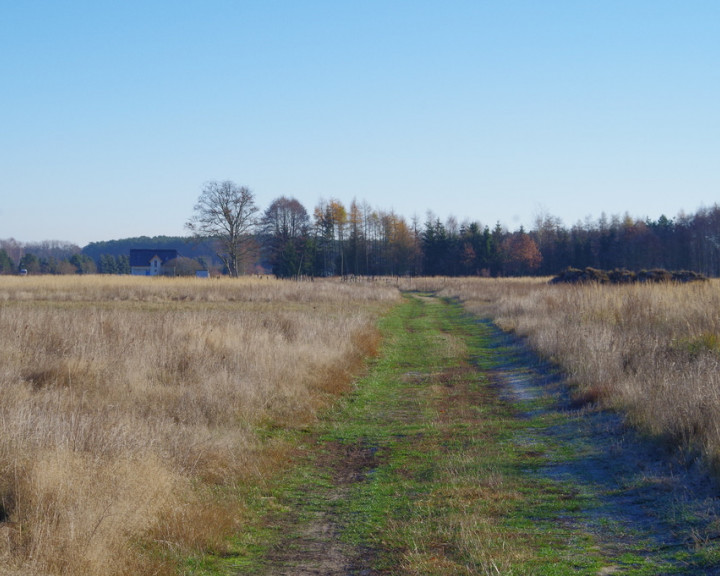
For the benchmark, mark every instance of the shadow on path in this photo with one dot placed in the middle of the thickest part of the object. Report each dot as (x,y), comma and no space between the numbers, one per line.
(645,508)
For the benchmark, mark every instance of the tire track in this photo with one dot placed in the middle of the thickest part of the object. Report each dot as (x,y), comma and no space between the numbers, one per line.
(646,509)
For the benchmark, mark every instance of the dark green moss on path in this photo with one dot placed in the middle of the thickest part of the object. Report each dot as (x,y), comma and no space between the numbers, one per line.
(457,453)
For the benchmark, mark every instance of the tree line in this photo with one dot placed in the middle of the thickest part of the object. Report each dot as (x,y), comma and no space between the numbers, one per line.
(31,258)
(47,257)
(360,240)
(105,257)
(229,232)
(686,242)
(363,241)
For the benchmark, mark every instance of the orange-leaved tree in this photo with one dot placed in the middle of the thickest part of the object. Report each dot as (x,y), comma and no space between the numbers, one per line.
(520,254)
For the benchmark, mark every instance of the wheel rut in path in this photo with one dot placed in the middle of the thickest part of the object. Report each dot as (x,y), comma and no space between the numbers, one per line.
(313,545)
(646,508)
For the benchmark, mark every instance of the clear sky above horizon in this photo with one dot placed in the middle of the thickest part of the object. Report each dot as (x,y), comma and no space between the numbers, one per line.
(114,114)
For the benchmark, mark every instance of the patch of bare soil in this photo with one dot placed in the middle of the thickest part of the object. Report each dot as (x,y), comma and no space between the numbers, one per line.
(646,508)
(312,546)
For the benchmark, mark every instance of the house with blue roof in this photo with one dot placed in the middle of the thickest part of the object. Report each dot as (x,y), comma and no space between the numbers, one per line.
(145,262)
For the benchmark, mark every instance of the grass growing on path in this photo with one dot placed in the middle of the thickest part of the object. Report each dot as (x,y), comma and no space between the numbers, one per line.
(448,495)
(435,465)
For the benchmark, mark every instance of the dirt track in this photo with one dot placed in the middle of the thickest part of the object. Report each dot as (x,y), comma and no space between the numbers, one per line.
(314,546)
(644,509)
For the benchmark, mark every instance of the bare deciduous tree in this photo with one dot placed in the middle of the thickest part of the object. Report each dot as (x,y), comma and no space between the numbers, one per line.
(226,213)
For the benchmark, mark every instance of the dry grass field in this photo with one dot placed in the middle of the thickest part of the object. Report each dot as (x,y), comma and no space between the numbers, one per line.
(650,351)
(130,408)
(133,408)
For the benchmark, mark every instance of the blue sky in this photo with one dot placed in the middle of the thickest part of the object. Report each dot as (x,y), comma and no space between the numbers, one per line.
(114,114)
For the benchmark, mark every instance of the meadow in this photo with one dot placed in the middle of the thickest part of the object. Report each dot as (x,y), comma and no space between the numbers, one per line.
(136,413)
(135,410)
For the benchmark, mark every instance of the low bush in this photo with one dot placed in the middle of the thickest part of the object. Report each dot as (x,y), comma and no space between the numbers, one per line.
(623,276)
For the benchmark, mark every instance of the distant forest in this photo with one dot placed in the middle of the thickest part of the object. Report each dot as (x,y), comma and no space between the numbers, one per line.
(359,240)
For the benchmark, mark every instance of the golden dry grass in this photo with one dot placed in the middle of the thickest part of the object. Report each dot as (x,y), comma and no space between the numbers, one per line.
(651,351)
(126,400)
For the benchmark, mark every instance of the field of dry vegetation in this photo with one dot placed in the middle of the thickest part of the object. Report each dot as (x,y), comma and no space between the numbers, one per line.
(131,407)
(650,351)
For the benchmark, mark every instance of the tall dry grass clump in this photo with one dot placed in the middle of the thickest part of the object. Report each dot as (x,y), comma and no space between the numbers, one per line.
(130,408)
(652,351)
